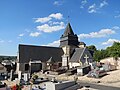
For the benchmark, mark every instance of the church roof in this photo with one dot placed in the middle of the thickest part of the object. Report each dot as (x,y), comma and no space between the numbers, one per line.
(68,30)
(42,53)
(77,55)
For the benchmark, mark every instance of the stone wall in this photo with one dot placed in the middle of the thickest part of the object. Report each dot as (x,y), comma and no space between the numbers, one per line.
(118,63)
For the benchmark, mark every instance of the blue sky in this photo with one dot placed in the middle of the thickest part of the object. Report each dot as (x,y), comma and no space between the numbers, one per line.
(42,22)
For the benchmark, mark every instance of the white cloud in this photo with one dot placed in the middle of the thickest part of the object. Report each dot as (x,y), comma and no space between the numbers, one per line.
(102,4)
(34,34)
(43,20)
(58,16)
(54,43)
(117,16)
(101,33)
(2,41)
(10,41)
(58,3)
(22,34)
(92,8)
(116,28)
(47,28)
(95,8)
(83,3)
(110,41)
(50,23)
(55,23)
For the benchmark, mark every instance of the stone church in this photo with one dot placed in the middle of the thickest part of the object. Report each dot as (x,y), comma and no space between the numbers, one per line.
(70,53)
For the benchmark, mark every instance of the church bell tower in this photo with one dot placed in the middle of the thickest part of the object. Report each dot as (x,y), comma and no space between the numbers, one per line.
(68,42)
(68,38)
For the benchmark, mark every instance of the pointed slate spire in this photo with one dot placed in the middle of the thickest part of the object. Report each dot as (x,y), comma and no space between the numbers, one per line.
(68,38)
(68,30)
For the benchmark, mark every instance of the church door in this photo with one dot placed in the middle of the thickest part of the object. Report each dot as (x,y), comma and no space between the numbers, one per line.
(35,67)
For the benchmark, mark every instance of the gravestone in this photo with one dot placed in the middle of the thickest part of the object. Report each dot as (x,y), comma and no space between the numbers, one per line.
(65,61)
(11,75)
(19,75)
(83,70)
(93,65)
(65,85)
(26,76)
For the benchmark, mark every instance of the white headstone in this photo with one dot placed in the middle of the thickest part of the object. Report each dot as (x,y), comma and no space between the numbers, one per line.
(19,75)
(26,76)
(11,75)
(64,60)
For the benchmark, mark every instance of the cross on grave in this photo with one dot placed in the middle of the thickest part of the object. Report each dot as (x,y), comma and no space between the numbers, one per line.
(86,59)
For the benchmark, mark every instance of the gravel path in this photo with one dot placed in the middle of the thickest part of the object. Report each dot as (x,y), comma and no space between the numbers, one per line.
(112,79)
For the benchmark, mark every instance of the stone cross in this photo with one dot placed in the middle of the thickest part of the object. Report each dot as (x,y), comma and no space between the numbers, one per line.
(86,59)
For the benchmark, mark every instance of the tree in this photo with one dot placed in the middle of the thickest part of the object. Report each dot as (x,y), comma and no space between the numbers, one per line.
(114,50)
(92,48)
(97,55)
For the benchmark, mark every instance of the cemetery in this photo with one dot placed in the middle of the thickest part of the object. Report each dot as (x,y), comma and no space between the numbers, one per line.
(66,78)
(60,77)
(58,68)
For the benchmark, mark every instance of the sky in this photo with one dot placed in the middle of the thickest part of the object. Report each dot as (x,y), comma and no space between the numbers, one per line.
(42,22)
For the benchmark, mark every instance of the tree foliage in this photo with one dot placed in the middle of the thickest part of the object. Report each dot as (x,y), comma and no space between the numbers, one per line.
(92,48)
(113,51)
(100,54)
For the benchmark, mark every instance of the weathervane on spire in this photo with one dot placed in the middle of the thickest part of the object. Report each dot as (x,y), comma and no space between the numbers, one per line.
(68,19)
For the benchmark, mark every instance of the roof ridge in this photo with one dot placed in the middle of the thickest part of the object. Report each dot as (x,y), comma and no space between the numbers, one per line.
(38,46)
(82,52)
